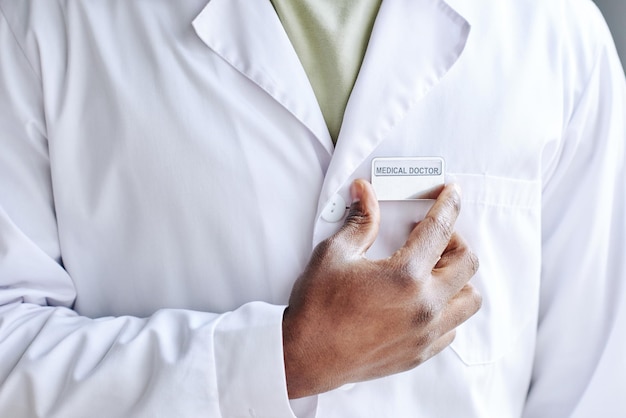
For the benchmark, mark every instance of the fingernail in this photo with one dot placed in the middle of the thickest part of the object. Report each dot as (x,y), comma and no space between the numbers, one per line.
(457,189)
(356,191)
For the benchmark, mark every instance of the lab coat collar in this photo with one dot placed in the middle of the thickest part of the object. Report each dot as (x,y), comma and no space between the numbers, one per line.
(414,43)
(249,36)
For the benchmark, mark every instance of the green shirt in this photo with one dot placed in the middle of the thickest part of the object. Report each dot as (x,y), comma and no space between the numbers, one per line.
(330,38)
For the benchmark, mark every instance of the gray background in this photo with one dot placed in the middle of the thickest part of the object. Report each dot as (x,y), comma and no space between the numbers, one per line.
(614,12)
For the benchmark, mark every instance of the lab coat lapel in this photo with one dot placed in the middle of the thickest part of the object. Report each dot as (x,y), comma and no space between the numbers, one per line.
(413,45)
(249,36)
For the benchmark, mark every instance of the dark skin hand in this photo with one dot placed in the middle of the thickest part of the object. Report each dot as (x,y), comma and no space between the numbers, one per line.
(352,319)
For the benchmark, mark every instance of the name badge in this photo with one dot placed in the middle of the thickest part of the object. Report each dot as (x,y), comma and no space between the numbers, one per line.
(411,178)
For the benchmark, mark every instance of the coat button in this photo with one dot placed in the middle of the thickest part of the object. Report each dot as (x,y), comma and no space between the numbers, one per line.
(335,209)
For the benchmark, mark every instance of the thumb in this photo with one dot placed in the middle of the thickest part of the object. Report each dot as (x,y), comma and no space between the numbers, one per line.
(360,228)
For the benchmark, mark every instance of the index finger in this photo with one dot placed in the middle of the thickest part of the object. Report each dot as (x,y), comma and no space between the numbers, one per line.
(430,237)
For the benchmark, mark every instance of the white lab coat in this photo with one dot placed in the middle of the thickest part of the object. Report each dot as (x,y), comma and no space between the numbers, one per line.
(164,168)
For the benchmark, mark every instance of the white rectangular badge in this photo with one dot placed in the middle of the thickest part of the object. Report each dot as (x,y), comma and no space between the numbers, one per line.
(407,178)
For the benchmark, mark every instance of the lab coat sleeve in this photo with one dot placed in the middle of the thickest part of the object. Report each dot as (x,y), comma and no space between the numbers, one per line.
(580,363)
(56,363)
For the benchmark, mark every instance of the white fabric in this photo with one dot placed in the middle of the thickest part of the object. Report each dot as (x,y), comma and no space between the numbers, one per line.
(161,184)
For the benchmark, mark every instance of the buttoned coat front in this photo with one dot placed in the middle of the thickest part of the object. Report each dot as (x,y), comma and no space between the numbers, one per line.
(164,169)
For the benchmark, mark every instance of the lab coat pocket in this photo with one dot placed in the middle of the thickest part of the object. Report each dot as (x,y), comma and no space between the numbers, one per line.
(500,220)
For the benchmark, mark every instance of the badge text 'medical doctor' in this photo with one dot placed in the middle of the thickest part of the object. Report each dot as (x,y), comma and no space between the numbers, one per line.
(407,178)
(401,168)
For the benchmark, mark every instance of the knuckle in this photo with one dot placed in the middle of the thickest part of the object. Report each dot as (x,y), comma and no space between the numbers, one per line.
(464,257)
(423,341)
(406,276)
(406,273)
(357,217)
(455,202)
(471,261)
(474,298)
(418,359)
(442,225)
(431,344)
(329,249)
(477,298)
(424,314)
(356,221)
(325,247)
(445,340)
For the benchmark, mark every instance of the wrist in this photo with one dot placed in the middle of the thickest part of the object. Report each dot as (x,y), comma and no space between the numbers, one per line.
(303,372)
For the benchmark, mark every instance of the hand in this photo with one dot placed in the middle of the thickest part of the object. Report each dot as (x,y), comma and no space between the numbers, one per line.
(352,319)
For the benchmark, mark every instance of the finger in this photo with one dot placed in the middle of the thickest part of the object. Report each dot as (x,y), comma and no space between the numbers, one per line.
(442,342)
(460,308)
(455,268)
(430,236)
(360,228)
(413,355)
